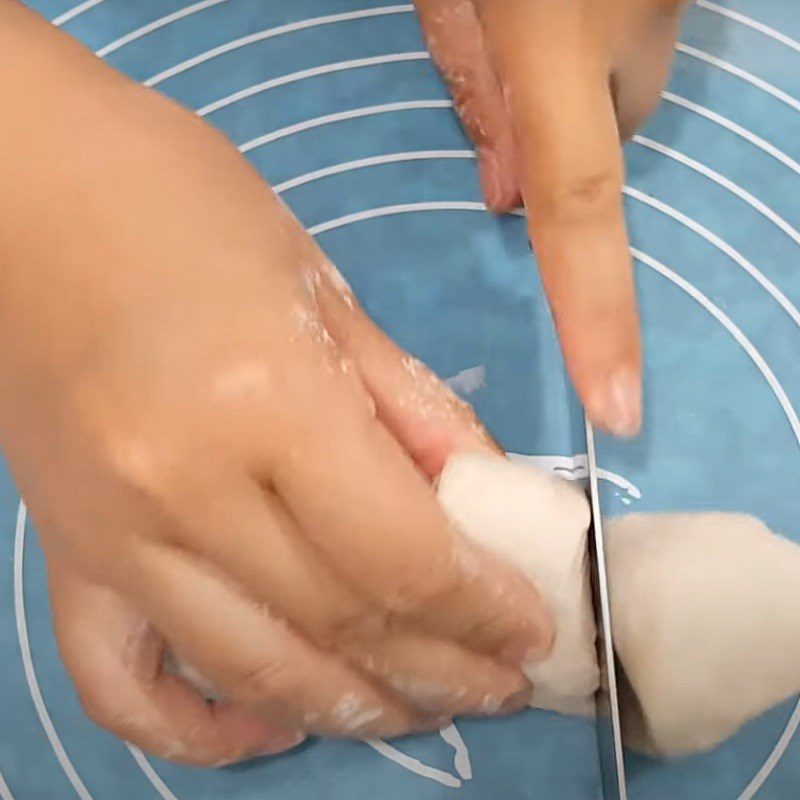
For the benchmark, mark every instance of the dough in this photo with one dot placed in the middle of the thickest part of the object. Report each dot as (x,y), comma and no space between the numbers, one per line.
(538,522)
(706,616)
(705,607)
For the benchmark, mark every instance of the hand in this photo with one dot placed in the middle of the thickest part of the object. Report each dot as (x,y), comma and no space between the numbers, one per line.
(546,90)
(224,457)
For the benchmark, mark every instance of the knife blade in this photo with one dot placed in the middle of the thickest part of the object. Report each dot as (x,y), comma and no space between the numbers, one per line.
(608,722)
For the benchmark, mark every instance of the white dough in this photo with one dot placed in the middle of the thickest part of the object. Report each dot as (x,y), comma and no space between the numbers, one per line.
(538,522)
(705,607)
(706,616)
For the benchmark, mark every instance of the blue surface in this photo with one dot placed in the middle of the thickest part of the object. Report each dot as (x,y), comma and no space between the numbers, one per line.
(457,288)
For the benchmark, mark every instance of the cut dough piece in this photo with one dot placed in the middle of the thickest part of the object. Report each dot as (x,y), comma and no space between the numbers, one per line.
(706,615)
(539,523)
(705,607)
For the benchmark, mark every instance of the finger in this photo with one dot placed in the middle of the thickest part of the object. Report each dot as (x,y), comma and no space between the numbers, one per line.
(642,69)
(436,675)
(558,96)
(355,493)
(422,412)
(115,660)
(276,566)
(455,40)
(256,661)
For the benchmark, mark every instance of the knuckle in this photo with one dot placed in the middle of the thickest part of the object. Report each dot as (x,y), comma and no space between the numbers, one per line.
(485,630)
(581,197)
(268,680)
(632,113)
(670,6)
(99,707)
(648,104)
(139,466)
(354,625)
(417,590)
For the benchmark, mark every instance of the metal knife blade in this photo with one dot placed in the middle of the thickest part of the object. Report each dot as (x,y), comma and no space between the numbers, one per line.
(608,723)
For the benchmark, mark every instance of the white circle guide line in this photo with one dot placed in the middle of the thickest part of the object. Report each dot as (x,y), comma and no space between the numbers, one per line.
(372,161)
(670,97)
(738,72)
(733,127)
(27,659)
(651,144)
(687,287)
(76,11)
(311,72)
(750,23)
(721,180)
(687,104)
(150,773)
(271,33)
(636,194)
(161,22)
(721,245)
(5,792)
(792,725)
(341,116)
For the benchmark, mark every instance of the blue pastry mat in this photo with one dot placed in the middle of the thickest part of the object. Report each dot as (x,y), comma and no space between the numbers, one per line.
(713,184)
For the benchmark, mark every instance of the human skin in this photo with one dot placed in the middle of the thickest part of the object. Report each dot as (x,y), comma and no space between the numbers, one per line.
(223,456)
(546,90)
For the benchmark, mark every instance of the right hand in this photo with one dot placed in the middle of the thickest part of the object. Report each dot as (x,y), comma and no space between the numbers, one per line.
(546,89)
(224,457)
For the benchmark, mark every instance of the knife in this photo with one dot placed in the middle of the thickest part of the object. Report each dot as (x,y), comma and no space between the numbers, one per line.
(608,723)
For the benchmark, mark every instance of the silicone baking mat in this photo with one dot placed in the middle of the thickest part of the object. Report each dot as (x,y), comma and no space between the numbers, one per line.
(337,104)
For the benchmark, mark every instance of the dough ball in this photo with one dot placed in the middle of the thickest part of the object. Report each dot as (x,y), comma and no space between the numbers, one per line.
(539,523)
(706,618)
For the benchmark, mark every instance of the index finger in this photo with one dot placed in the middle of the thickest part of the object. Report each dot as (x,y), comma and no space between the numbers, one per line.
(555,73)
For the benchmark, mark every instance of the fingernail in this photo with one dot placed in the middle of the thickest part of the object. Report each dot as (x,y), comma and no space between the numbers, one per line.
(520,653)
(619,407)
(515,702)
(529,651)
(489,174)
(432,723)
(494,706)
(279,743)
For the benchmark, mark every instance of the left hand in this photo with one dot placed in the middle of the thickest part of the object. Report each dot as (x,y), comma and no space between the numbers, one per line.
(546,91)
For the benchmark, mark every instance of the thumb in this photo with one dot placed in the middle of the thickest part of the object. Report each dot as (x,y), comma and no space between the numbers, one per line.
(115,661)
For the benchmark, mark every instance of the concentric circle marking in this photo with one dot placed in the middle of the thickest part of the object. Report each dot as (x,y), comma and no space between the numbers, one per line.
(721,180)
(750,23)
(635,194)
(733,127)
(670,97)
(741,339)
(27,659)
(777,389)
(76,11)
(5,792)
(738,72)
(271,33)
(161,22)
(312,72)
(150,773)
(341,116)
